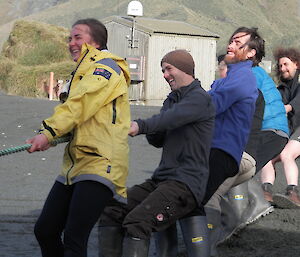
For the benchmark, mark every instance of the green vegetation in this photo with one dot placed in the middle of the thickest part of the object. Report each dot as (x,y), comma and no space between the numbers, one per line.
(44,52)
(278,21)
(36,49)
(32,51)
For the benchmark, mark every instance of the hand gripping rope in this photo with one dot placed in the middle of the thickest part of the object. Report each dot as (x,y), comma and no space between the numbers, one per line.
(16,149)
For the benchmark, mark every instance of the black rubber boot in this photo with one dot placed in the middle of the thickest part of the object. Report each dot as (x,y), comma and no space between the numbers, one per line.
(229,221)
(214,228)
(110,241)
(135,247)
(166,242)
(258,206)
(196,236)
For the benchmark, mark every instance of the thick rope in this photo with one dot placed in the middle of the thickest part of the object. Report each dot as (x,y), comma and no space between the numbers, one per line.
(27,146)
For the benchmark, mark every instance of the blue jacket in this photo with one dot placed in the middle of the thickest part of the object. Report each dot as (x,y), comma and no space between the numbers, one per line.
(234,97)
(274,113)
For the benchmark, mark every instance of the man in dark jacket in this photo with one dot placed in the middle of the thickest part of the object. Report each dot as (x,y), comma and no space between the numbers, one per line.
(288,65)
(234,97)
(184,129)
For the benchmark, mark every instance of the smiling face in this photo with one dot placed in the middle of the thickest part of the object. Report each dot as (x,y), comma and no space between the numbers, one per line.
(79,35)
(238,50)
(176,78)
(287,68)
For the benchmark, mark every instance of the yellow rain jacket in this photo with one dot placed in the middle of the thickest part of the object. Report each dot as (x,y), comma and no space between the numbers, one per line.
(97,115)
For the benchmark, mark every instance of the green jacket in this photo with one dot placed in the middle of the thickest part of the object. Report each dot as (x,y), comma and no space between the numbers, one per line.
(97,114)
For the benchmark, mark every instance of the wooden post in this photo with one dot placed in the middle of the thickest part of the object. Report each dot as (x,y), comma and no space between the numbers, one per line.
(51,83)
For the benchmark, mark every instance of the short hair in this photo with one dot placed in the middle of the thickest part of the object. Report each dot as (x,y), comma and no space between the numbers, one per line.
(255,42)
(98,31)
(292,53)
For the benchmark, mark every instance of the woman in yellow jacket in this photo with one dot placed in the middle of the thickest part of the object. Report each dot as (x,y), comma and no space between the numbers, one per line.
(97,116)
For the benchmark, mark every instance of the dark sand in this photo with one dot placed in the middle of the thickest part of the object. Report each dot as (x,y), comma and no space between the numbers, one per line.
(25,180)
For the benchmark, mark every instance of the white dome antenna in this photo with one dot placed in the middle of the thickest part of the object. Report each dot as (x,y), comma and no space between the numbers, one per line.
(135,8)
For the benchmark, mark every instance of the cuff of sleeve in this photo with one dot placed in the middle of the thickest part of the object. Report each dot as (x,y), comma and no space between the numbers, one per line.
(48,135)
(141,125)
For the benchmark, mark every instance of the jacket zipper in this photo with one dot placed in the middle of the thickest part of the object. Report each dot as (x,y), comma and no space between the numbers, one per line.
(72,160)
(74,72)
(114,116)
(69,152)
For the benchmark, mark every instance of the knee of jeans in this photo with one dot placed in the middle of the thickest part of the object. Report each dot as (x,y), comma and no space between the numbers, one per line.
(137,227)
(43,230)
(40,231)
(111,218)
(138,230)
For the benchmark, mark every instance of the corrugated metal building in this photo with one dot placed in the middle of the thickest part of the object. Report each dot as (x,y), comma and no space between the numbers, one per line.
(144,41)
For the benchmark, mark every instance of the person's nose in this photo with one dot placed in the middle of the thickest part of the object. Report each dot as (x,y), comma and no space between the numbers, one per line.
(230,46)
(166,75)
(71,42)
(282,68)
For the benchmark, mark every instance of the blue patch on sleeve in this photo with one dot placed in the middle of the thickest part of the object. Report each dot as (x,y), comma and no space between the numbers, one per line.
(102,72)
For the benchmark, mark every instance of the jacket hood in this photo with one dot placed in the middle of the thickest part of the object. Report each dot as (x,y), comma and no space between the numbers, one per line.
(106,54)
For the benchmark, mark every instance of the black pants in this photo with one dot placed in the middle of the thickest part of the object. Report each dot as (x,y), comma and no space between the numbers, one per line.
(221,167)
(269,146)
(73,210)
(152,206)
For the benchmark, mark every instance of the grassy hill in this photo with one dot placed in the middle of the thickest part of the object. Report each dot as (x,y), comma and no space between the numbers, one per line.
(278,21)
(32,51)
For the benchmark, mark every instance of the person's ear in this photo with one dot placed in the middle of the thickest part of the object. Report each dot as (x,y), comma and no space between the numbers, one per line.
(251,53)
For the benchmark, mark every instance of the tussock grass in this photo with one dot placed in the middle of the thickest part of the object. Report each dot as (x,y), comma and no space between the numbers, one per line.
(44,52)
(29,80)
(32,51)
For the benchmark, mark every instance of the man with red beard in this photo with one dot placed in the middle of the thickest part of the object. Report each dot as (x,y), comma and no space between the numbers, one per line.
(234,98)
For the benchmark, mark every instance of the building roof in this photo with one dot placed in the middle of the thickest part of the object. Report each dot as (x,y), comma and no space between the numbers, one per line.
(156,26)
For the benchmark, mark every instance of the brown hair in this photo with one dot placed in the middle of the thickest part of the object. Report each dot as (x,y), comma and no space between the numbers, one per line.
(97,31)
(292,53)
(255,42)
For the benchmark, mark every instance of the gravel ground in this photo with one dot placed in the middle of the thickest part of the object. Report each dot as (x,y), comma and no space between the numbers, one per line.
(25,180)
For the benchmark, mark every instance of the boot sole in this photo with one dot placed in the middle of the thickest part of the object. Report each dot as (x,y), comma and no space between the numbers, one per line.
(235,231)
(262,214)
(282,201)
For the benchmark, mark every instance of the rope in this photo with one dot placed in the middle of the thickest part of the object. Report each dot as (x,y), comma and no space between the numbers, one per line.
(27,146)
